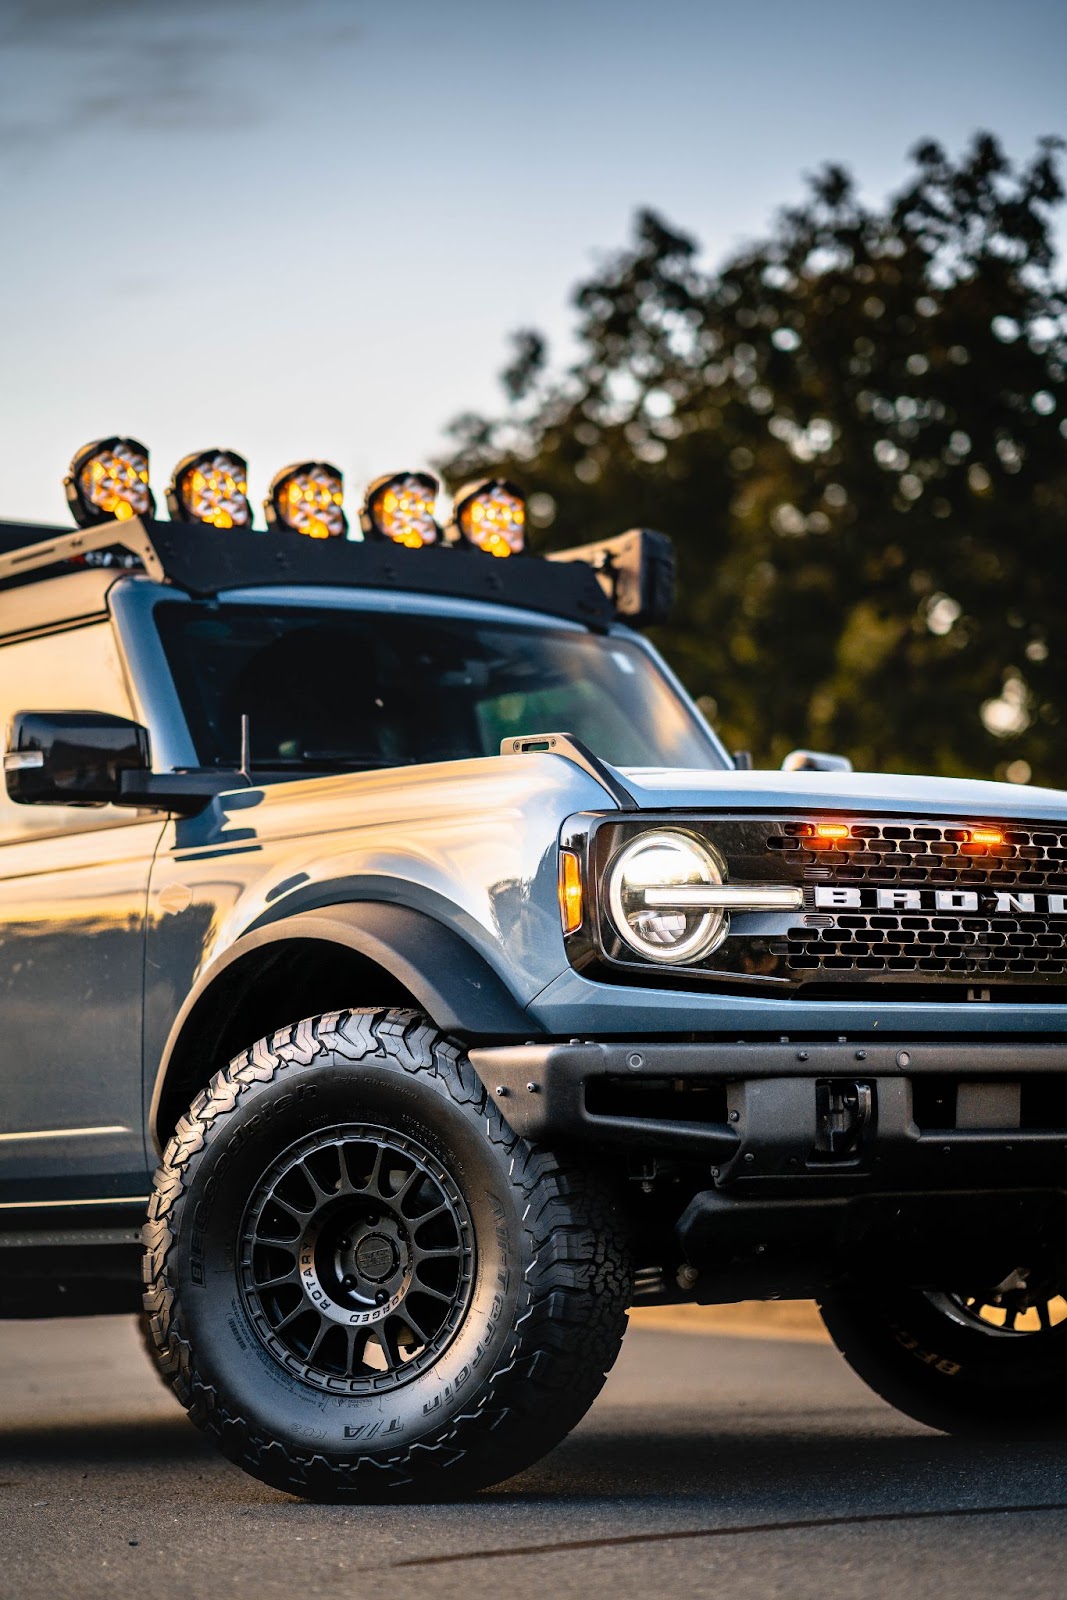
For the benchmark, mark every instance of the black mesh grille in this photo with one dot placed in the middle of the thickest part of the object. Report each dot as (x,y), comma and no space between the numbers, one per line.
(991,943)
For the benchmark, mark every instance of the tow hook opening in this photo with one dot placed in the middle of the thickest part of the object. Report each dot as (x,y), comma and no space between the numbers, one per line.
(843,1110)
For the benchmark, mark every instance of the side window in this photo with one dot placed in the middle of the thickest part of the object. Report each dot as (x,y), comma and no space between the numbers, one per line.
(78,670)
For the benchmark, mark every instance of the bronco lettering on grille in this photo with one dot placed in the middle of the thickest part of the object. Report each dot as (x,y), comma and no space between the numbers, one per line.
(839,897)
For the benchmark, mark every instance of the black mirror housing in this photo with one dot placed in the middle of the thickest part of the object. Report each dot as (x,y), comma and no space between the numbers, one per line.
(72,757)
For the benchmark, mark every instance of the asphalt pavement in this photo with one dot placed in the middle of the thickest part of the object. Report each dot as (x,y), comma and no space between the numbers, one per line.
(710,1466)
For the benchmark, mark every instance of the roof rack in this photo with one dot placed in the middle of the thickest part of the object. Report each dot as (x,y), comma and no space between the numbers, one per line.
(205,562)
(631,576)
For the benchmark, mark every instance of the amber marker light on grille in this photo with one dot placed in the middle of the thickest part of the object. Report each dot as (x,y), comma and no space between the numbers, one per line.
(400,507)
(490,516)
(985,836)
(108,481)
(822,835)
(570,891)
(211,486)
(308,498)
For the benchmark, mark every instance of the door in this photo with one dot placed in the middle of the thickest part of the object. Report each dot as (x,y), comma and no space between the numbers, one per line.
(73,889)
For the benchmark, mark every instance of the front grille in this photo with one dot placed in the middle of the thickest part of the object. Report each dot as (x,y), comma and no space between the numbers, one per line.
(1007,945)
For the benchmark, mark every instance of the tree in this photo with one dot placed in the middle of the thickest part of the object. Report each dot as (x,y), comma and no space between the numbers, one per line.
(855,430)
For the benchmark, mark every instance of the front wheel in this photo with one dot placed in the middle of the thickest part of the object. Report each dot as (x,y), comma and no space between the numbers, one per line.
(362,1283)
(990,1363)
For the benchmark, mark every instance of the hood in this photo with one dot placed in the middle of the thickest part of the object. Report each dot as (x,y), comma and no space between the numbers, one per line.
(903,794)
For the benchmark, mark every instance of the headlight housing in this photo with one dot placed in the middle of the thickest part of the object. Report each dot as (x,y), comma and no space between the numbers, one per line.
(650,869)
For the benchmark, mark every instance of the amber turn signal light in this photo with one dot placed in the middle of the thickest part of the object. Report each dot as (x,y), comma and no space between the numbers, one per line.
(570,891)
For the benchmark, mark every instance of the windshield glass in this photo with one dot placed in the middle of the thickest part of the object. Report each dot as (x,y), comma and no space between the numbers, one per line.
(334,688)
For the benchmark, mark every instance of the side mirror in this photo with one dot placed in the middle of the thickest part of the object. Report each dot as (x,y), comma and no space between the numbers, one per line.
(815,761)
(72,758)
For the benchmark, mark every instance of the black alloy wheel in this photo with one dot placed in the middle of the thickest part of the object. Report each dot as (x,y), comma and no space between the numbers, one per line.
(357,1259)
(361,1283)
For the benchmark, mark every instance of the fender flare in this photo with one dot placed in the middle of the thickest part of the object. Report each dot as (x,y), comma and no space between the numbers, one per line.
(447,978)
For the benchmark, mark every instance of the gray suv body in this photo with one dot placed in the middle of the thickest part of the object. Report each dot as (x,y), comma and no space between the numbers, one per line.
(391,1068)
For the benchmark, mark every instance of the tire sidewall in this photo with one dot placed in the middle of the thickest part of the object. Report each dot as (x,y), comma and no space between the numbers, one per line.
(246,1380)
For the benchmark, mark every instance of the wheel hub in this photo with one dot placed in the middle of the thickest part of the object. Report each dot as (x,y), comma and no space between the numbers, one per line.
(357,1258)
(376,1257)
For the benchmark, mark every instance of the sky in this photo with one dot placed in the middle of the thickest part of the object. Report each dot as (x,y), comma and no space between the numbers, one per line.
(305,228)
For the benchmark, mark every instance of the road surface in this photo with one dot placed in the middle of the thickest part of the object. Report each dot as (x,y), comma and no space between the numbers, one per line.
(710,1466)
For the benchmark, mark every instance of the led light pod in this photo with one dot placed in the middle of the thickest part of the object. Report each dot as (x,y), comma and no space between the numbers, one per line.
(108,481)
(308,498)
(400,507)
(490,515)
(211,486)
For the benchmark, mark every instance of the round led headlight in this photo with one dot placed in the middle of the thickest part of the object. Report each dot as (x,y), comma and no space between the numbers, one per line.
(647,884)
(400,507)
(108,481)
(308,498)
(211,486)
(490,516)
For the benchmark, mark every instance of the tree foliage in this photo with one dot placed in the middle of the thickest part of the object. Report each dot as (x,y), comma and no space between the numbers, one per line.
(855,432)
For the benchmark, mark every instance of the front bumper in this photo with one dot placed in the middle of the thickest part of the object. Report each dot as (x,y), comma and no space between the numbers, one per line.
(837,1116)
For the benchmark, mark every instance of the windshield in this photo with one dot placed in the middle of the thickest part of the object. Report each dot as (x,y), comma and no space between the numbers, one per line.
(346,689)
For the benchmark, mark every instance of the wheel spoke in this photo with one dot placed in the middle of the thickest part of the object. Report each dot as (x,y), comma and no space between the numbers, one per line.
(387,1338)
(345,1185)
(357,1337)
(298,1311)
(319,1192)
(435,1294)
(324,1327)
(440,1253)
(413,1177)
(419,1332)
(292,1276)
(1043,1315)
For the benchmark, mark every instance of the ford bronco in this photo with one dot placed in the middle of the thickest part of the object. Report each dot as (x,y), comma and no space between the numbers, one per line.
(449,1036)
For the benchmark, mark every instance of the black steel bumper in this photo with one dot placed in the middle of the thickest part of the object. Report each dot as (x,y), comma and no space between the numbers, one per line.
(939,1115)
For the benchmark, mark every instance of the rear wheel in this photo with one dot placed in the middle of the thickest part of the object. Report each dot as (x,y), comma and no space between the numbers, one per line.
(992,1362)
(361,1283)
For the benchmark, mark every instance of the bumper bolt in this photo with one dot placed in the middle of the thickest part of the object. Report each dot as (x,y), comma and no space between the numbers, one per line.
(501,1091)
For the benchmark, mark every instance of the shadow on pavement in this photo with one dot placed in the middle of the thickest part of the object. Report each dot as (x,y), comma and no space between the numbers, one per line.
(724,1467)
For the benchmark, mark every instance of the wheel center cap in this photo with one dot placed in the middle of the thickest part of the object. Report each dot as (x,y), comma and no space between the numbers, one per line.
(376,1257)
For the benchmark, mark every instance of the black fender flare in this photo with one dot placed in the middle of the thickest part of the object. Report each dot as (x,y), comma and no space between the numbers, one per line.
(446,977)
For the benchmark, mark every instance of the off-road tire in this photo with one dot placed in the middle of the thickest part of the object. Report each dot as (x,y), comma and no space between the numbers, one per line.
(958,1379)
(548,1295)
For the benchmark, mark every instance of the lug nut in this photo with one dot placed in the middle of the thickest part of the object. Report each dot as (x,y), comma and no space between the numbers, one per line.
(348,1282)
(380,1298)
